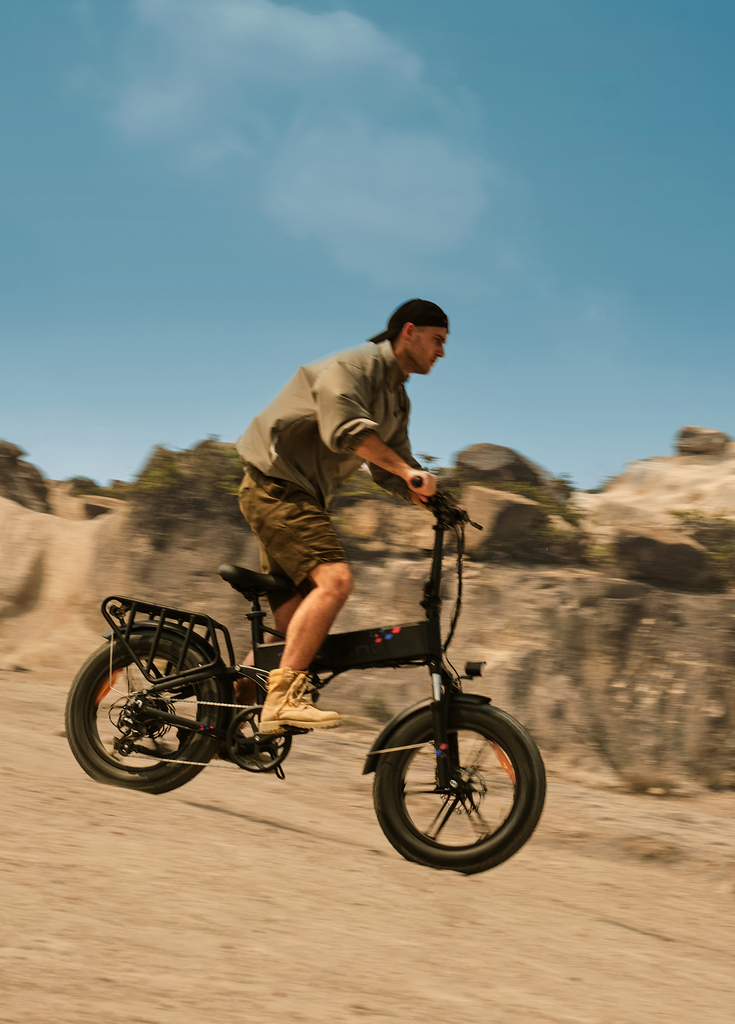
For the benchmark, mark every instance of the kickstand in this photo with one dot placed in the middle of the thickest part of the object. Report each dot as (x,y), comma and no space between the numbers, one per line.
(278,772)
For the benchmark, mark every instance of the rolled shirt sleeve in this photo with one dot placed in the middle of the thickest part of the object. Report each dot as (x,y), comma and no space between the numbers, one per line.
(309,434)
(341,396)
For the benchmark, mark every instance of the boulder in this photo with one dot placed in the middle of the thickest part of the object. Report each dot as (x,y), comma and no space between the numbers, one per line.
(494,464)
(701,441)
(662,556)
(19,481)
(372,527)
(501,514)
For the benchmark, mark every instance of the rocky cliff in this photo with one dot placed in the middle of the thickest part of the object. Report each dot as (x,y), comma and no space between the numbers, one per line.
(634,677)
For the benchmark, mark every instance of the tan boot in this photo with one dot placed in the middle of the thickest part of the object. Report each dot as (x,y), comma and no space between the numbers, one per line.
(286,704)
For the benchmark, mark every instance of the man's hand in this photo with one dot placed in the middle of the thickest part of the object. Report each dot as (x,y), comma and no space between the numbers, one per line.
(421,485)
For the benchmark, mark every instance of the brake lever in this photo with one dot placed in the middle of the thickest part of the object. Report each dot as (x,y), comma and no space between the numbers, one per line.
(442,503)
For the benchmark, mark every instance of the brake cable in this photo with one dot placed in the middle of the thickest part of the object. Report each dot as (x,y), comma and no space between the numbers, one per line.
(459,532)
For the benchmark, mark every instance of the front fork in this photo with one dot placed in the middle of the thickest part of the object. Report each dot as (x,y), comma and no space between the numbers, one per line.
(445,743)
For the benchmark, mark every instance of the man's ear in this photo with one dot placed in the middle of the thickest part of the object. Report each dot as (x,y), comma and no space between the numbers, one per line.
(409,329)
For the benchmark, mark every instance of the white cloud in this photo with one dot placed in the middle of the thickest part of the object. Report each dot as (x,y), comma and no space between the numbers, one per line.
(366,190)
(213,30)
(335,127)
(205,48)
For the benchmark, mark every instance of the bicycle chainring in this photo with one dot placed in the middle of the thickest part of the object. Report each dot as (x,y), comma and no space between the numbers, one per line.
(252,750)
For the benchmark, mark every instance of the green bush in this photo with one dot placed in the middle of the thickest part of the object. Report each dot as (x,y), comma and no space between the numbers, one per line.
(196,485)
(359,487)
(717,535)
(81,485)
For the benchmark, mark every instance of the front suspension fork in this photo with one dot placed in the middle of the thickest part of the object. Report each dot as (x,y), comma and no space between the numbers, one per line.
(445,745)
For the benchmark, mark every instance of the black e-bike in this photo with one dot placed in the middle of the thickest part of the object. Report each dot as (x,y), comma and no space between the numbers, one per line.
(459,784)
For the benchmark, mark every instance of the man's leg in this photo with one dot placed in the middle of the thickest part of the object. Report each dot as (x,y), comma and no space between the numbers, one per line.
(311,619)
(282,615)
(308,625)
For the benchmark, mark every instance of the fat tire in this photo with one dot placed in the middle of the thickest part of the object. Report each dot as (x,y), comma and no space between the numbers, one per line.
(389,791)
(82,707)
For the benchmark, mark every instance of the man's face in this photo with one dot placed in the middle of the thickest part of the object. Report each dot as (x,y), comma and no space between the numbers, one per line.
(424,345)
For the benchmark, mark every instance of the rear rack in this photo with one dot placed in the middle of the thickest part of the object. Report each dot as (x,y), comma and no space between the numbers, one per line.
(135,616)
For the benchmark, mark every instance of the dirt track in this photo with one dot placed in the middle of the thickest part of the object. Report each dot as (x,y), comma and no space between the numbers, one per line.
(243,898)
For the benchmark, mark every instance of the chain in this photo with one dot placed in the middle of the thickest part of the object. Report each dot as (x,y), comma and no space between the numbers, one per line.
(189,700)
(178,760)
(214,703)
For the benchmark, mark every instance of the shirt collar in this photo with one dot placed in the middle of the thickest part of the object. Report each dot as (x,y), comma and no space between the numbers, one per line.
(394,375)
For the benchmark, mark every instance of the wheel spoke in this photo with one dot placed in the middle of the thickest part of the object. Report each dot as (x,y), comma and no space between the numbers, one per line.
(448,808)
(474,813)
(475,763)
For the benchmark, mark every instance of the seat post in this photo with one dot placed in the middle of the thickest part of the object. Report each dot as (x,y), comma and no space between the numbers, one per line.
(255,617)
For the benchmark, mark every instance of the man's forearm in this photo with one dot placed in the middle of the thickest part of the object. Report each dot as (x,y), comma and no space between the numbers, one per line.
(375,451)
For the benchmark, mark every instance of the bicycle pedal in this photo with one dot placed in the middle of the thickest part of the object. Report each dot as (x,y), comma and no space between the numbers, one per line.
(293,730)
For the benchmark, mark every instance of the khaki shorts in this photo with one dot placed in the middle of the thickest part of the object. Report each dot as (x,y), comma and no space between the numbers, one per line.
(293,529)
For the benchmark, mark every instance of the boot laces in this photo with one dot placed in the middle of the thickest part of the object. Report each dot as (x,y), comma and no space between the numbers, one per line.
(301,690)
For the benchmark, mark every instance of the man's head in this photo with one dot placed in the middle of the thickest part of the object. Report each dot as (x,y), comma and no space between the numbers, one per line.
(417,330)
(419,312)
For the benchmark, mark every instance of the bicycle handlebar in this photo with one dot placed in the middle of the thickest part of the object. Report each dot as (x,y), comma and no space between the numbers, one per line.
(443,505)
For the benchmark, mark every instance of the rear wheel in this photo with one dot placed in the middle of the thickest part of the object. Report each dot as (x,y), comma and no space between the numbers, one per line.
(491,806)
(114,741)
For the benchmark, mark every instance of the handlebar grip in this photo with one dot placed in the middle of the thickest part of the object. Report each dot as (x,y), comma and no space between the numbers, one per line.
(416,481)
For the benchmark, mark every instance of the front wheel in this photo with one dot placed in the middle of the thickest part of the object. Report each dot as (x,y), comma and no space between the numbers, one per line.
(114,742)
(493,802)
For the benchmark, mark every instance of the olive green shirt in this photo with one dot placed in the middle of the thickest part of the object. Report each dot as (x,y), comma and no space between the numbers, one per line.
(309,432)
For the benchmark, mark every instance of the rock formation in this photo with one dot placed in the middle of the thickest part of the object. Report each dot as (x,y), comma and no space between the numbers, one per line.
(667,557)
(651,489)
(19,481)
(701,441)
(638,676)
(501,514)
(494,464)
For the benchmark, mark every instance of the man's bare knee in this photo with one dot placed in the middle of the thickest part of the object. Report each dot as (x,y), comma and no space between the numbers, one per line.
(334,578)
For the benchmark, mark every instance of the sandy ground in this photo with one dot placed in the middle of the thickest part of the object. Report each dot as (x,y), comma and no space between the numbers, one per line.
(244,898)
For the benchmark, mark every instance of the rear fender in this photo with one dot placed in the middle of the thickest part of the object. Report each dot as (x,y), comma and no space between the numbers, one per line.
(389,729)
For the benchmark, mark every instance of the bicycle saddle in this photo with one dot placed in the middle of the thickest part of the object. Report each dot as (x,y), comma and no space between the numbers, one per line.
(248,582)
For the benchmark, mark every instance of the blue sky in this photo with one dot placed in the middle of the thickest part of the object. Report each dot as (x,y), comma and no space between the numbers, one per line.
(197,196)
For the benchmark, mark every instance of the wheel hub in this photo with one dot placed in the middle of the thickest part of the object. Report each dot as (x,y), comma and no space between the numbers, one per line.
(469,788)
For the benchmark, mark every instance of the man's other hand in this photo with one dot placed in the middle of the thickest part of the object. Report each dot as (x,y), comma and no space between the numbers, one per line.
(421,485)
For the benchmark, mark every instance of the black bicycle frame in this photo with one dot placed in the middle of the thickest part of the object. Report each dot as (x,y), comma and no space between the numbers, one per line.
(413,643)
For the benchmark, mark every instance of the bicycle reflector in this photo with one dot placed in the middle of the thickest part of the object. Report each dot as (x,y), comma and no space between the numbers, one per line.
(473,669)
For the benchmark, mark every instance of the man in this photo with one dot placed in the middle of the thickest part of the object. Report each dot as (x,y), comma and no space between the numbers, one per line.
(330,418)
